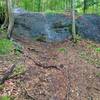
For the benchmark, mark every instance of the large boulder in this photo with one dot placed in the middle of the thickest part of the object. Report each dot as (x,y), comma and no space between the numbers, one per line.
(54,27)
(59,26)
(28,24)
(89,27)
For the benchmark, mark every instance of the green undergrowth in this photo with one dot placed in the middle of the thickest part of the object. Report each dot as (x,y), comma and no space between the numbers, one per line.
(5,97)
(1,87)
(20,69)
(94,47)
(62,50)
(3,33)
(40,38)
(6,46)
(97,50)
(54,12)
(98,74)
(89,59)
(91,54)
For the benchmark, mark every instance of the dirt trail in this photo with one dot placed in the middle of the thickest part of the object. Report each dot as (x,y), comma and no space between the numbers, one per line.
(59,71)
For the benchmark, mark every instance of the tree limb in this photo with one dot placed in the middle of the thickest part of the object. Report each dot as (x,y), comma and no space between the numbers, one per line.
(7,74)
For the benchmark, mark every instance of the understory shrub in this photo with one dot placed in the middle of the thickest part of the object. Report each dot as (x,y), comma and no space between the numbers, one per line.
(5,98)
(6,46)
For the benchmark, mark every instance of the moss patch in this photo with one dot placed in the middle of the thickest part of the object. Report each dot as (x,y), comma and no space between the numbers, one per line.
(98,74)
(20,68)
(6,46)
(5,98)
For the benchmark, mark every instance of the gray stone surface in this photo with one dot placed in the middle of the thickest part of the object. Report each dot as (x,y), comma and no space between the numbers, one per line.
(54,27)
(35,24)
(89,27)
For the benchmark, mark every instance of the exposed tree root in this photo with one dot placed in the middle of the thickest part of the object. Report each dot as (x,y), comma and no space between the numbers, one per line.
(46,65)
(7,74)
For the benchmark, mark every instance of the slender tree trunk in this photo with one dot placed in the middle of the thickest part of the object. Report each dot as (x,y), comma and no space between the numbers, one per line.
(73,21)
(85,6)
(11,18)
(39,5)
(97,7)
(6,16)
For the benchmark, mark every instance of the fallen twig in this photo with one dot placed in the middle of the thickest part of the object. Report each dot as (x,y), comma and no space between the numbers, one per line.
(7,74)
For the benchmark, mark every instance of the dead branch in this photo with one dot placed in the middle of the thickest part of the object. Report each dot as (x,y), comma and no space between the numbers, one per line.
(7,74)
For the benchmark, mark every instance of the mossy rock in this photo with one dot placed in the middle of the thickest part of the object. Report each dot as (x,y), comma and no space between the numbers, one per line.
(40,38)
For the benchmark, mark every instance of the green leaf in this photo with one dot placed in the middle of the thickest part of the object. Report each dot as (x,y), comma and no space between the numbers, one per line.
(5,98)
(97,50)
(6,46)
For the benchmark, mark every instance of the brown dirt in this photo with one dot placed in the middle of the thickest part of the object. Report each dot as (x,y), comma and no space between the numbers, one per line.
(54,71)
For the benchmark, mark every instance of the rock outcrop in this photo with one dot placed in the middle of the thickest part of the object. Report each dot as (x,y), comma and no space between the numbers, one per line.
(54,27)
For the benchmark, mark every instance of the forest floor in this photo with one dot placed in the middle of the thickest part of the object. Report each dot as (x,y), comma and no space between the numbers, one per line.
(53,71)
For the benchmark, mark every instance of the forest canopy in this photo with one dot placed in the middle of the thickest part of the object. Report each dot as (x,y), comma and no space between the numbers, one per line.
(82,6)
(73,7)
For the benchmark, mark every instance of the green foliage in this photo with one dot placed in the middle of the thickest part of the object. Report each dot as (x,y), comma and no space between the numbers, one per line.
(94,47)
(89,59)
(77,38)
(1,87)
(2,31)
(43,5)
(5,98)
(19,69)
(98,74)
(53,11)
(62,50)
(2,11)
(40,38)
(82,6)
(97,50)
(18,48)
(6,46)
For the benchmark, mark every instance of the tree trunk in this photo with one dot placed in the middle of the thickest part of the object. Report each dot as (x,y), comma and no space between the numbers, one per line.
(85,6)
(73,21)
(11,18)
(5,24)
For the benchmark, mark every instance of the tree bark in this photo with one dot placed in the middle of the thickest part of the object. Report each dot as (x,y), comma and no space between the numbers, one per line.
(11,18)
(85,6)
(73,21)
(4,25)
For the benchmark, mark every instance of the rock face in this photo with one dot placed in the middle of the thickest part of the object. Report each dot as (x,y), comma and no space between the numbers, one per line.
(54,27)
(51,26)
(89,27)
